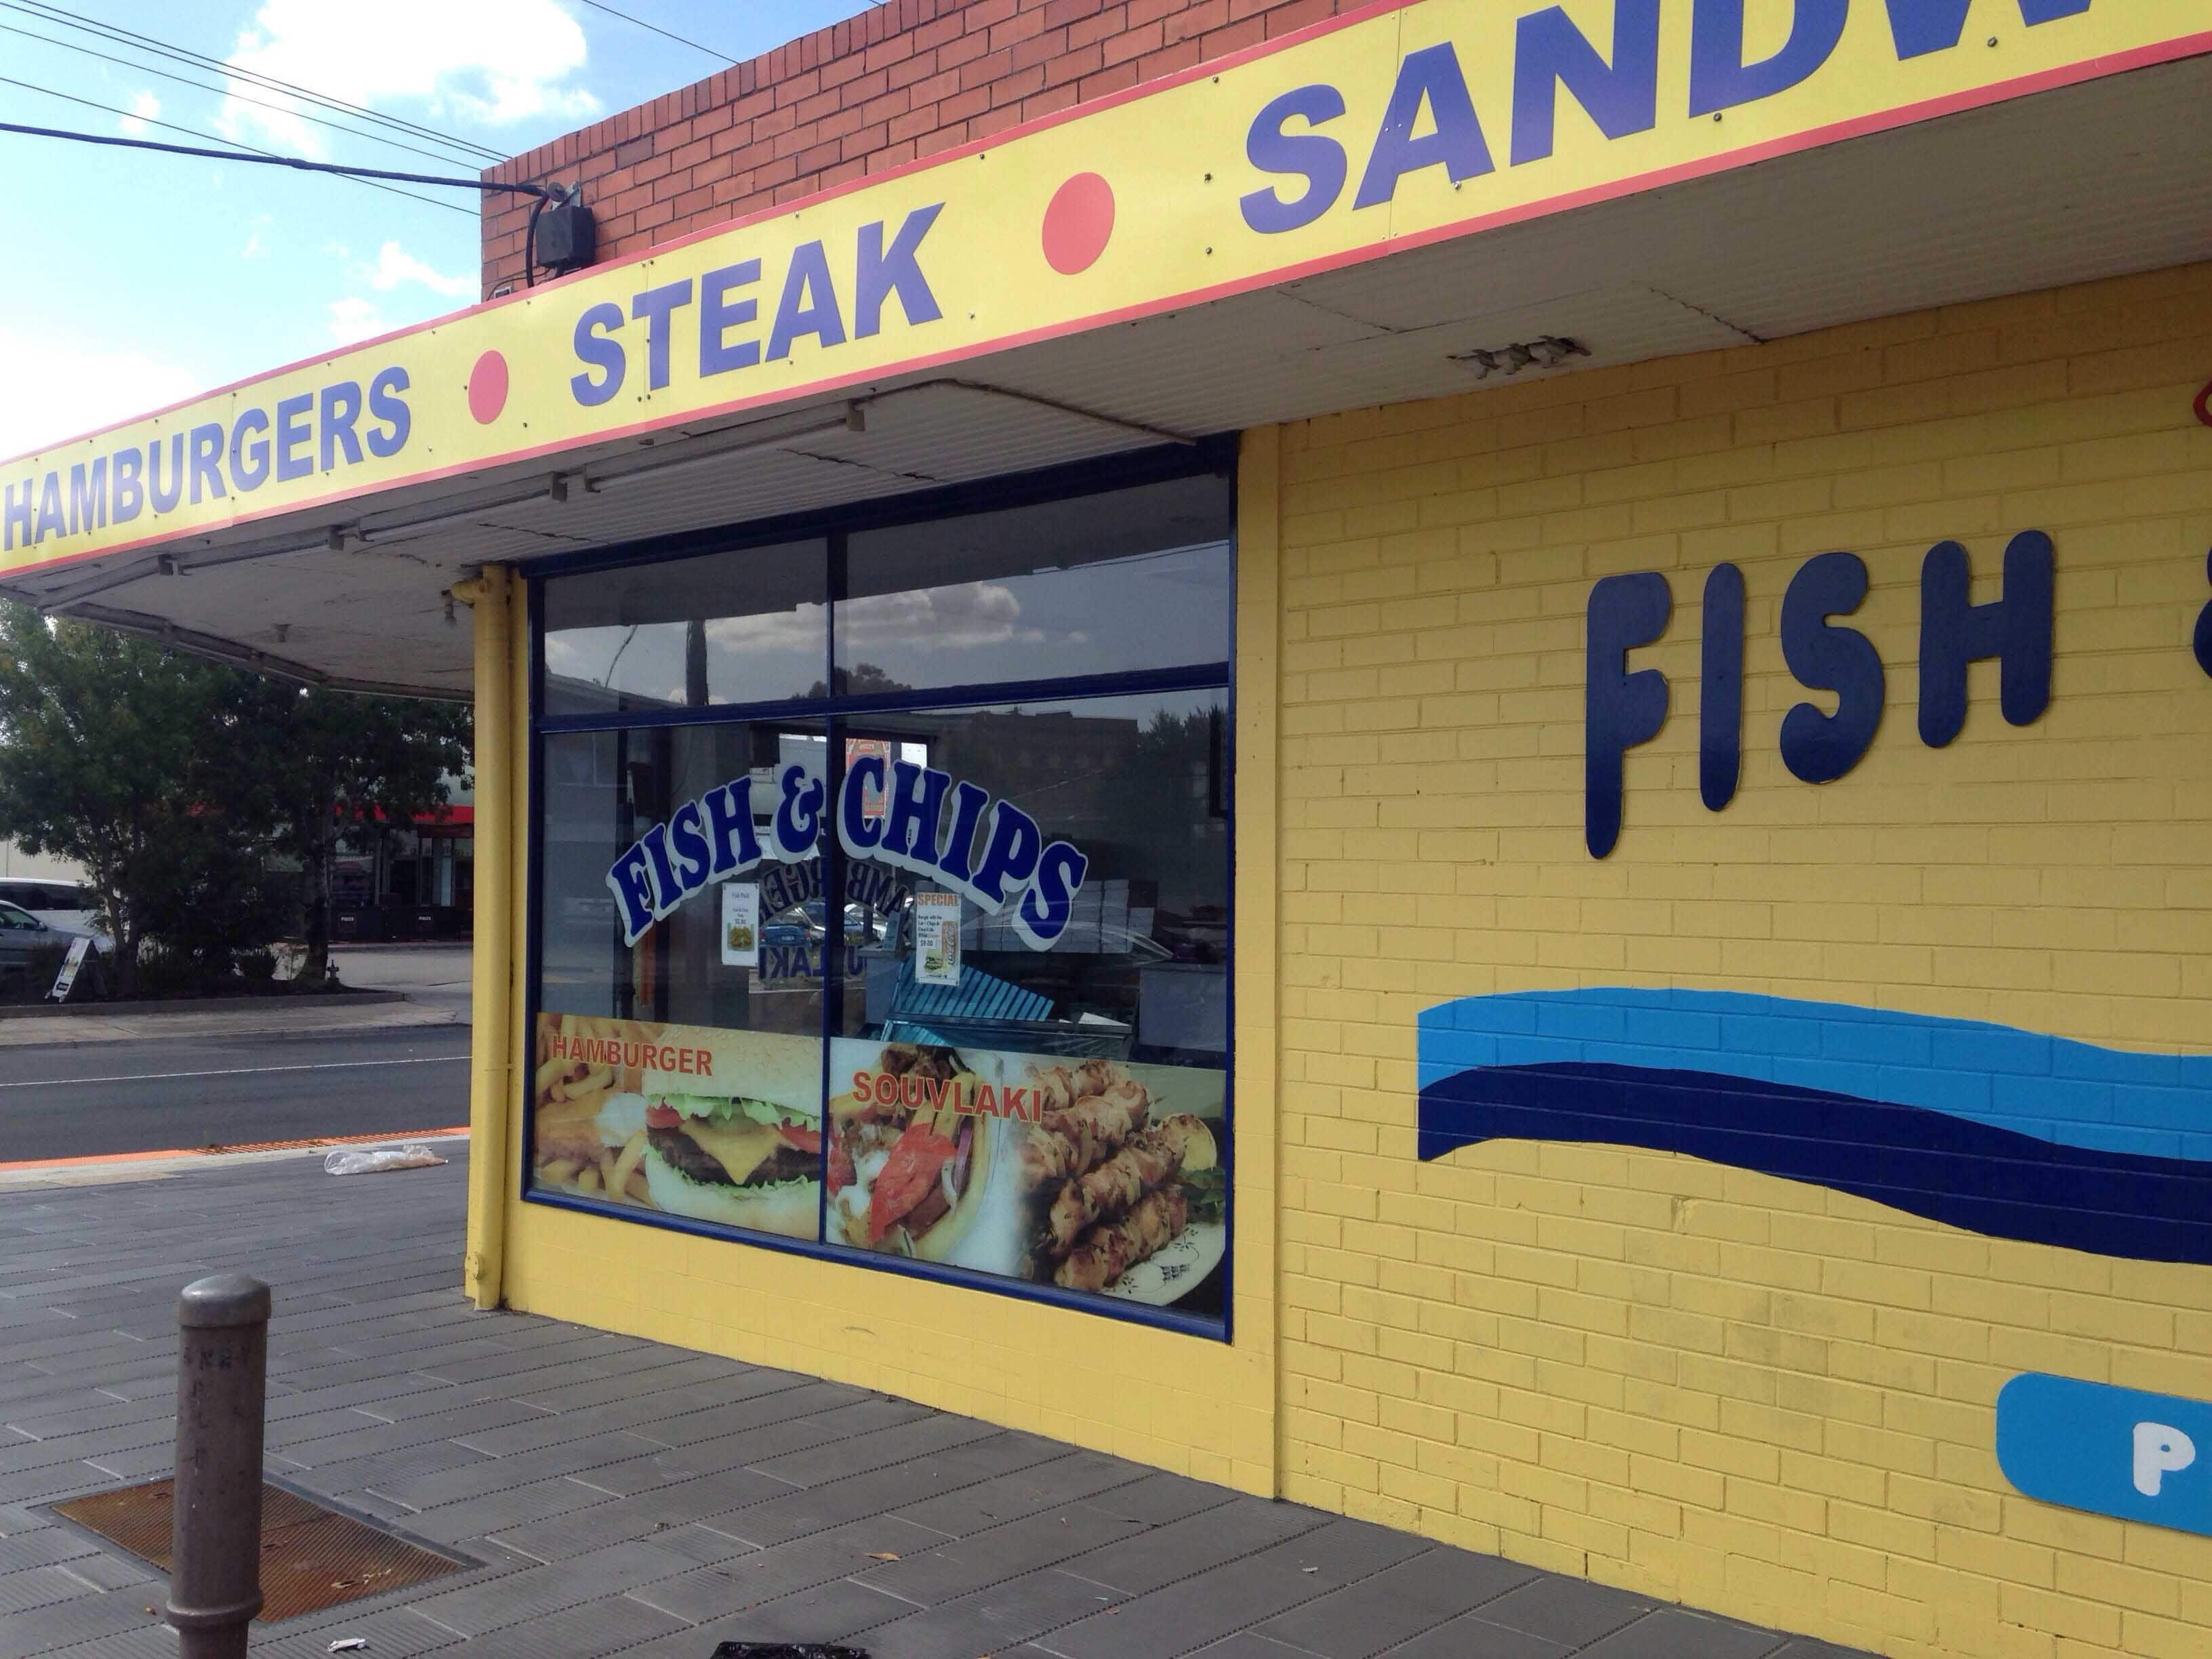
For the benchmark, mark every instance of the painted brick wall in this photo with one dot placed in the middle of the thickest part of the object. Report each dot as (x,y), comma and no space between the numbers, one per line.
(1750,1394)
(903,80)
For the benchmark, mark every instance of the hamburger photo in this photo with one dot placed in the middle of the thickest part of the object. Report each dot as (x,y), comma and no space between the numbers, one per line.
(747,1159)
(717,1126)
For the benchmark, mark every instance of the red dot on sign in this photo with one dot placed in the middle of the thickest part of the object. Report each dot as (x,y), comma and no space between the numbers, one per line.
(1078,223)
(488,388)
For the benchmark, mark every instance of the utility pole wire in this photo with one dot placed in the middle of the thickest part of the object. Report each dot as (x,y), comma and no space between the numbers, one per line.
(119,36)
(680,40)
(221,92)
(263,158)
(242,153)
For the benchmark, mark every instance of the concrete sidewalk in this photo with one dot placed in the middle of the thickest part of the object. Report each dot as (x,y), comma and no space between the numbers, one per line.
(621,1496)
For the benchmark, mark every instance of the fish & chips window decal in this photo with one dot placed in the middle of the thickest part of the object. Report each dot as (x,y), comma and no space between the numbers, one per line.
(977,1026)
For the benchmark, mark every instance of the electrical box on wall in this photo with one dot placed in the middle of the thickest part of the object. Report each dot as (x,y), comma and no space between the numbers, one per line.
(567,237)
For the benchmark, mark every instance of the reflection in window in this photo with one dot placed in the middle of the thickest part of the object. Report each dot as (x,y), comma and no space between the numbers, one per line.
(602,791)
(749,626)
(1095,584)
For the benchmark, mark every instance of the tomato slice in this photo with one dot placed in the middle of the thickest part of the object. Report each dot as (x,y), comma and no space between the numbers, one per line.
(658,1116)
(841,1168)
(906,1177)
(807,1140)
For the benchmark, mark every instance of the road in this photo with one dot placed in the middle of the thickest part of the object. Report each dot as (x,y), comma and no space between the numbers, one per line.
(155,1096)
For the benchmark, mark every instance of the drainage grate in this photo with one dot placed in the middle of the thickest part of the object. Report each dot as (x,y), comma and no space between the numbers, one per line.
(312,1557)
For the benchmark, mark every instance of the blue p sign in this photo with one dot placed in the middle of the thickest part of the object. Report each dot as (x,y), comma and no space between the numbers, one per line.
(2111,1451)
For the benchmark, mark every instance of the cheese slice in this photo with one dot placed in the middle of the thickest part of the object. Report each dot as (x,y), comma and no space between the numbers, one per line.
(740,1146)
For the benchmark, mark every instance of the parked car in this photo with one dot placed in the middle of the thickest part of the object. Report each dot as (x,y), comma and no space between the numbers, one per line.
(858,930)
(68,905)
(790,927)
(22,935)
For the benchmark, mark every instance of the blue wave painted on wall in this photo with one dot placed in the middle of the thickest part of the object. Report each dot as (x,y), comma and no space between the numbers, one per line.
(2007,1132)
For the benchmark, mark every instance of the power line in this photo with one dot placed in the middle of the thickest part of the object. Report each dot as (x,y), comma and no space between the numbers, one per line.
(263,158)
(119,36)
(255,157)
(665,35)
(221,92)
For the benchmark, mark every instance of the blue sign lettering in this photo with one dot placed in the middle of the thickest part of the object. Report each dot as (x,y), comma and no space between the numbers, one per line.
(1623,709)
(210,461)
(1551,51)
(712,838)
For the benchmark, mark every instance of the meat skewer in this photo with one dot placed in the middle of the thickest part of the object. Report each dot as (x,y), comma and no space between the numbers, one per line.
(1073,1138)
(1150,1159)
(1112,1247)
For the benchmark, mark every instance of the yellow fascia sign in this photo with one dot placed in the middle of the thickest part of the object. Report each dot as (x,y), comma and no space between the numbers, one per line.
(1391,126)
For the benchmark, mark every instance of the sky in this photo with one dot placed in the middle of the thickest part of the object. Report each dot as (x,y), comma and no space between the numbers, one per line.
(136,279)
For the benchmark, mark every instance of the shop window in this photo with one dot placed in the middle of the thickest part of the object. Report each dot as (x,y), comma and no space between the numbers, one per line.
(742,627)
(937,985)
(1039,592)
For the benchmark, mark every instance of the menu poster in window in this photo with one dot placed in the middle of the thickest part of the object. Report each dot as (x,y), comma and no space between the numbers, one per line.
(937,938)
(740,925)
(1102,1176)
(711,1125)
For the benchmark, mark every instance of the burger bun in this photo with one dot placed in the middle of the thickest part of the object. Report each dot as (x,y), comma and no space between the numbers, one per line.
(791,1209)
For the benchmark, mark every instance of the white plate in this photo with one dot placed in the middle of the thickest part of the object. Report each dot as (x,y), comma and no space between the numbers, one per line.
(1160,1281)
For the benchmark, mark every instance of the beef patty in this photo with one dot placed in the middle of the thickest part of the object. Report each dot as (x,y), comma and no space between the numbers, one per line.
(691,1158)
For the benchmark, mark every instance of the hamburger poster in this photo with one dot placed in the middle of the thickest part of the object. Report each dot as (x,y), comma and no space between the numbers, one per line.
(1097,1176)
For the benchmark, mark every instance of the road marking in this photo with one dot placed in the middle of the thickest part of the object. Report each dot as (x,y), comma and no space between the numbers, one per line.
(235,1071)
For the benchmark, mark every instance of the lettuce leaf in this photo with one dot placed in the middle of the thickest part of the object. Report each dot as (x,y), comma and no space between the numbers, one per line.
(721,1111)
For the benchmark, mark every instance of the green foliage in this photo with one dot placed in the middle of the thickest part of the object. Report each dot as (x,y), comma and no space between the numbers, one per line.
(315,765)
(170,780)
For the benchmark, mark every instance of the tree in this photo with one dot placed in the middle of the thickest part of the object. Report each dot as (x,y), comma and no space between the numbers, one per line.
(863,679)
(320,764)
(111,754)
(170,780)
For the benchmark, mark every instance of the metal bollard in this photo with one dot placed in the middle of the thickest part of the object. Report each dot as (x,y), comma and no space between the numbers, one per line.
(223,1384)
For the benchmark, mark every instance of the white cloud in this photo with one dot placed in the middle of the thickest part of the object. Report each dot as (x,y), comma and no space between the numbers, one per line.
(255,248)
(354,318)
(81,388)
(488,61)
(395,266)
(958,617)
(145,106)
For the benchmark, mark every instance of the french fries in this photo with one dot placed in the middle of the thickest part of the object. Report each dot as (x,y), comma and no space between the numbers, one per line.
(626,1166)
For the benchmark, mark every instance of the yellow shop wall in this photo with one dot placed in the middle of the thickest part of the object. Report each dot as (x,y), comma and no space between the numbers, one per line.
(1704,1384)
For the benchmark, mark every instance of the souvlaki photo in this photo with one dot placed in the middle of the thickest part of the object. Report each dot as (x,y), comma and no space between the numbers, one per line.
(1099,1176)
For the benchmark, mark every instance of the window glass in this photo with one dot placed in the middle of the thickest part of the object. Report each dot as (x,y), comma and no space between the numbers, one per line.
(946,982)
(750,626)
(1133,580)
(1031,1075)
(679,1041)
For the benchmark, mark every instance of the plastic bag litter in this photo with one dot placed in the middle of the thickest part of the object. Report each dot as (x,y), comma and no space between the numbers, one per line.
(374,1160)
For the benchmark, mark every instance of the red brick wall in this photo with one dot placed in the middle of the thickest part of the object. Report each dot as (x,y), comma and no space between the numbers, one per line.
(903,80)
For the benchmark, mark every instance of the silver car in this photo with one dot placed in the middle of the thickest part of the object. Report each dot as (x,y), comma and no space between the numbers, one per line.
(22,935)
